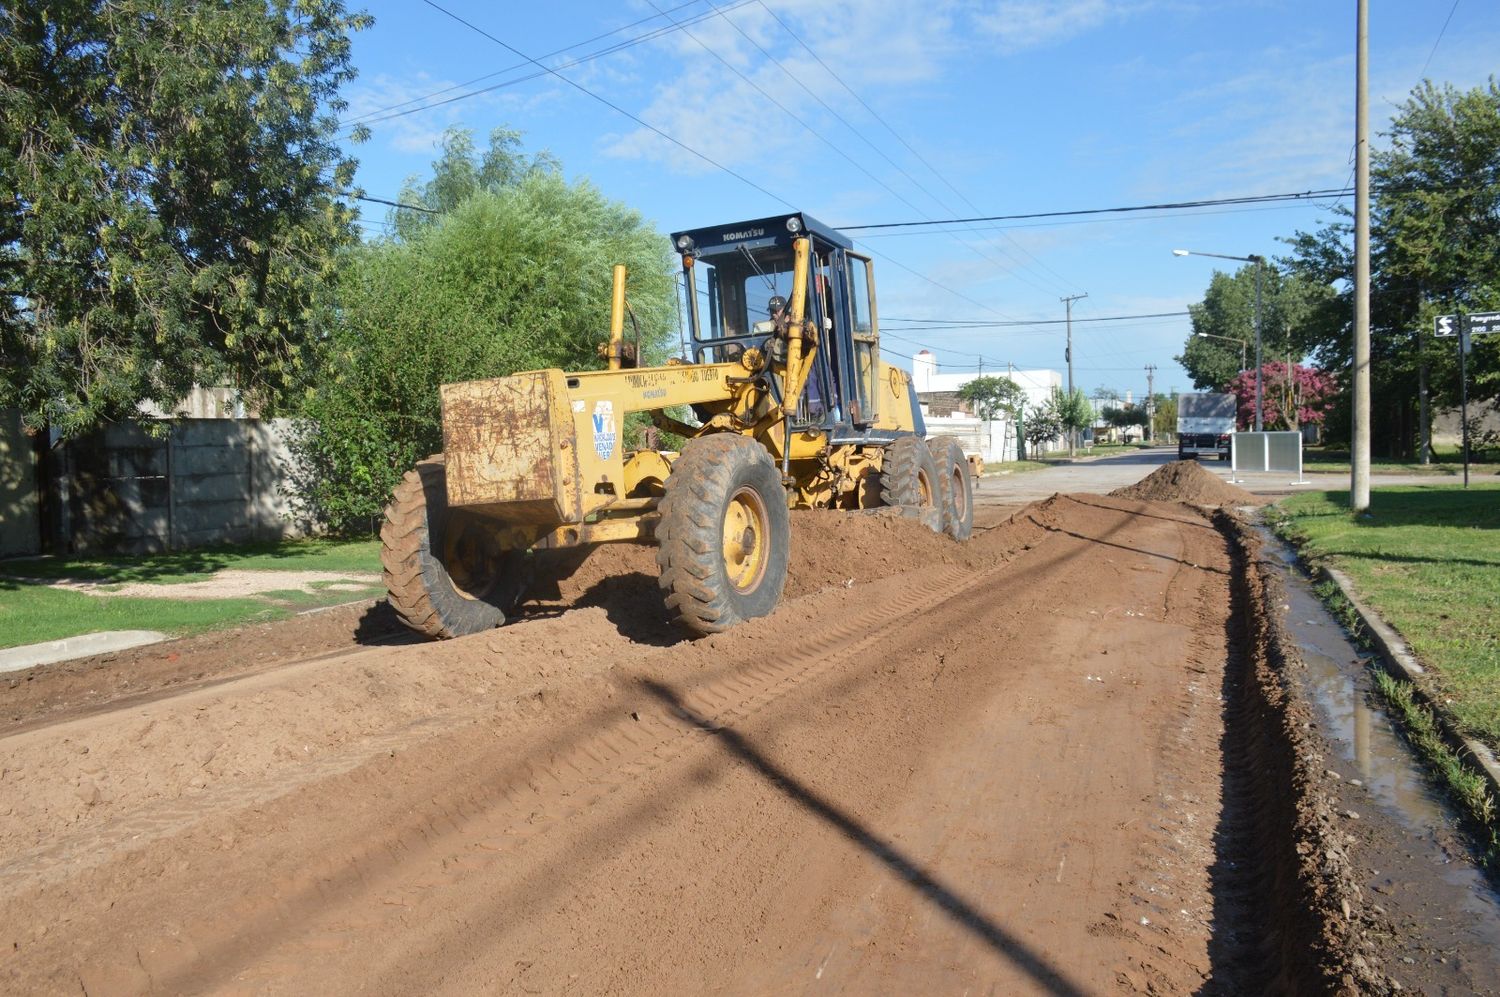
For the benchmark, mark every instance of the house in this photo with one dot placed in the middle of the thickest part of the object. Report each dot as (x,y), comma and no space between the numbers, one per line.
(947,414)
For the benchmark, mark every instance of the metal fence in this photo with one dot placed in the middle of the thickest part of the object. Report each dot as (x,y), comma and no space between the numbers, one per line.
(1267,453)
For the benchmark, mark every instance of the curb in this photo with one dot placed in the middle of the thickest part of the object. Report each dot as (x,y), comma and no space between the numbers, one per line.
(16,659)
(1398,659)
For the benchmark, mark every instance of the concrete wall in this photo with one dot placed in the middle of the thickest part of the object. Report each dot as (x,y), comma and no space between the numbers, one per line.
(994,440)
(201,482)
(1447,428)
(20,506)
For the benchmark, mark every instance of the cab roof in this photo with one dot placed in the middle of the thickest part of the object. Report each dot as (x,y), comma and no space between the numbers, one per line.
(761,231)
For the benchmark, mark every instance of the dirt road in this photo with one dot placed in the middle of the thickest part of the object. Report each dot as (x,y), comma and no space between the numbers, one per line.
(997,767)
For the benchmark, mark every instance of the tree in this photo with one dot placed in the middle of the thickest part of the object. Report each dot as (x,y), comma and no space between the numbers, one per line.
(171,199)
(459,173)
(1435,248)
(1287,399)
(514,279)
(1042,426)
(993,396)
(1225,319)
(1124,416)
(1164,416)
(1073,412)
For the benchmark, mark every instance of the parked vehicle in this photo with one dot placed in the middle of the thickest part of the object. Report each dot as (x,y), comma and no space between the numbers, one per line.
(1205,426)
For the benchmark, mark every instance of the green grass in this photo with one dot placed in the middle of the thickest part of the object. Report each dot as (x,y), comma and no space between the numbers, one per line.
(196,565)
(1446,462)
(31,613)
(1015,466)
(1427,558)
(1466,786)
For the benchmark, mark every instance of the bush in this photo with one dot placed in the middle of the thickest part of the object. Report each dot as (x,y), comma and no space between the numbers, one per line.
(511,279)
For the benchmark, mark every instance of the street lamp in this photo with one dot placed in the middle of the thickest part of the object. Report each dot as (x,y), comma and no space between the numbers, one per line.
(1260,265)
(1243,345)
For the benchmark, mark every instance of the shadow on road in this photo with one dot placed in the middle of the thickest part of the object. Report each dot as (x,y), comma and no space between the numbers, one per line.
(959,910)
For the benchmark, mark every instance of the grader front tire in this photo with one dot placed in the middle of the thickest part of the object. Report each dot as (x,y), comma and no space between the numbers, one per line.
(909,479)
(724,535)
(955,486)
(443,572)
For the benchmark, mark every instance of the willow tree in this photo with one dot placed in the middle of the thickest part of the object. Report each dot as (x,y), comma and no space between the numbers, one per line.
(513,278)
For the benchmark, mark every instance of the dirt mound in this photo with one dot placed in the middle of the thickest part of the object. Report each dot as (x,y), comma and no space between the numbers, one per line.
(828,549)
(1185,481)
(852,548)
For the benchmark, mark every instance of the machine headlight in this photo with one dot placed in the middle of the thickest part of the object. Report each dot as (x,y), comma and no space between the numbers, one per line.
(794,225)
(684,243)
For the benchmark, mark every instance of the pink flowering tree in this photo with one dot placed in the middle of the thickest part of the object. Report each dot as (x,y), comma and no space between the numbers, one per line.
(1291,395)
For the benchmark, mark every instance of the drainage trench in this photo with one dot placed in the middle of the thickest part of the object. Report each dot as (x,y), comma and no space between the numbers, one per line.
(1364,742)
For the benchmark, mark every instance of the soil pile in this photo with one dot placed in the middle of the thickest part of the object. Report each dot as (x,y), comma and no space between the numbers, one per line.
(828,549)
(1185,481)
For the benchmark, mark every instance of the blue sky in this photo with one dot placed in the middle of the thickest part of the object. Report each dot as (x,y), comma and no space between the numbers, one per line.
(940,110)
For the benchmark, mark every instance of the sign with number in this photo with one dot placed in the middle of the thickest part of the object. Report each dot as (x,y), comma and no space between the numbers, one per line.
(1480,324)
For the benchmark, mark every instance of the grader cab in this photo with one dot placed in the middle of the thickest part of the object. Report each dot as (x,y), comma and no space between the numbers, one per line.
(791,407)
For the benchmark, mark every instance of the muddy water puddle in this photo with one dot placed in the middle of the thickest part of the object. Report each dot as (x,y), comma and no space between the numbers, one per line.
(1338,683)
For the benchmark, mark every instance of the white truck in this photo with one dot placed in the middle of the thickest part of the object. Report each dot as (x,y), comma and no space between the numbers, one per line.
(1205,425)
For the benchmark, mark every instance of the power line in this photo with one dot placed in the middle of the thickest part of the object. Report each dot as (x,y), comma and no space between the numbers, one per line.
(395,204)
(607,103)
(1170,206)
(378,115)
(829,142)
(1443,31)
(899,233)
(982,323)
(357,118)
(792,114)
(887,125)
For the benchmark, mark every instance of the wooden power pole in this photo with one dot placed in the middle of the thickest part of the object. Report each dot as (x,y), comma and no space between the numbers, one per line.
(1068,356)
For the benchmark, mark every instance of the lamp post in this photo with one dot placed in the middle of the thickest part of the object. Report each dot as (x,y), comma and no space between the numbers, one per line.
(1260,265)
(1244,345)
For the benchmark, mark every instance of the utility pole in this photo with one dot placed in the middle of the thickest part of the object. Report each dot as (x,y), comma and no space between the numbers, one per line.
(1424,427)
(1359,483)
(1020,419)
(1150,403)
(1068,355)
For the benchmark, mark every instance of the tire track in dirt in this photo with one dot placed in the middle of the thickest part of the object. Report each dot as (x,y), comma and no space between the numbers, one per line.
(969,603)
(680,819)
(557,788)
(226,830)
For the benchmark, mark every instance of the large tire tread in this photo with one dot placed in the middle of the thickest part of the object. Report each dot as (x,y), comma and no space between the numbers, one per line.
(905,464)
(418,586)
(689,532)
(953,472)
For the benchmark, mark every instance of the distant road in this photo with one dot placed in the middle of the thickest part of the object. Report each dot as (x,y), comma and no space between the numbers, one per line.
(1100,475)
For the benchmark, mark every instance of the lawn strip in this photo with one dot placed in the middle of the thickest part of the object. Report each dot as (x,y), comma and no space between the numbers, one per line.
(1427,559)
(32,612)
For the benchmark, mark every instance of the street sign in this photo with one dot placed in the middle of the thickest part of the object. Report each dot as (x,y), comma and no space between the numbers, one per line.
(1480,324)
(1475,324)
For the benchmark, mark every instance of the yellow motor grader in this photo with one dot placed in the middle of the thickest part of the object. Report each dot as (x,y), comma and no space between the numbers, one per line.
(791,407)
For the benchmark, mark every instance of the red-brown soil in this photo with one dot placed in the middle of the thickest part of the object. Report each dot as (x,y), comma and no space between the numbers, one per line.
(997,766)
(1186,481)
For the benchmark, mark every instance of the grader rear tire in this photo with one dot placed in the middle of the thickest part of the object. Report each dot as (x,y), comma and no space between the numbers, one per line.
(955,486)
(724,535)
(909,479)
(444,572)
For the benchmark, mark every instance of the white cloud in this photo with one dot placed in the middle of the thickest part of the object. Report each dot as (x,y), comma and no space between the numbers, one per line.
(1023,24)
(736,121)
